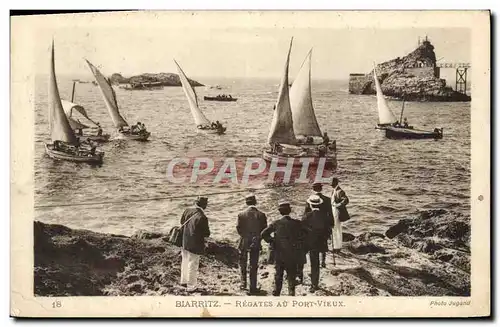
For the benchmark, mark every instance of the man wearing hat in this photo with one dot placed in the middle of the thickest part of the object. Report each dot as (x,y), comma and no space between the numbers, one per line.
(318,227)
(340,201)
(195,229)
(251,223)
(289,235)
(326,209)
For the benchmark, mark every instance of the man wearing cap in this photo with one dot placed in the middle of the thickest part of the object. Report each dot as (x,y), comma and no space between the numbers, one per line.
(251,223)
(316,224)
(195,229)
(289,235)
(326,209)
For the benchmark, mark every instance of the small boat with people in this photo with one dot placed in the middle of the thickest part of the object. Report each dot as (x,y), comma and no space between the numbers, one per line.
(220,97)
(65,144)
(295,133)
(201,121)
(70,109)
(135,132)
(394,128)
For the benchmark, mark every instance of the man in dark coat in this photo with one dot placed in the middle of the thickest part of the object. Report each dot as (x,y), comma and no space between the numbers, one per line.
(326,209)
(251,223)
(289,235)
(318,228)
(195,229)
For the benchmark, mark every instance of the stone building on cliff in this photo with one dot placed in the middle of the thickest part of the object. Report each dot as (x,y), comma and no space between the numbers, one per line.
(414,77)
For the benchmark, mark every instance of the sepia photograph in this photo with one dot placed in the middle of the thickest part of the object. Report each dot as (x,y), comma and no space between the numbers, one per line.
(224,163)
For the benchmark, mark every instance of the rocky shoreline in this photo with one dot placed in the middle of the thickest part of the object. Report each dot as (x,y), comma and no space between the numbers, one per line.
(425,254)
(166,79)
(414,77)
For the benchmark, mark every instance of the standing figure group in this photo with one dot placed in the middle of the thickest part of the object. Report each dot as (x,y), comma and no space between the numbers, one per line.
(291,240)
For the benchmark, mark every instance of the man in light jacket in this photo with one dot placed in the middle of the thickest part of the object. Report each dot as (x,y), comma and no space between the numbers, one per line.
(193,240)
(340,214)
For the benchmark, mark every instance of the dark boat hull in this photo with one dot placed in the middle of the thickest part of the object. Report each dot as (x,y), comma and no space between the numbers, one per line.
(414,134)
(219,99)
(97,158)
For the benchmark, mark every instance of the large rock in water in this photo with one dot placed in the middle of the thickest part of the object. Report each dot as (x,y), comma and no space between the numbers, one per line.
(166,79)
(414,77)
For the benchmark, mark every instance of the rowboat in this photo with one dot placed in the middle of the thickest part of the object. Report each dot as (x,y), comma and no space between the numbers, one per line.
(65,145)
(108,93)
(203,125)
(394,128)
(220,98)
(295,133)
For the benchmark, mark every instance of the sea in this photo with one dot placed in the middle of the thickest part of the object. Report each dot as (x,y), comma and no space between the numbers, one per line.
(385,180)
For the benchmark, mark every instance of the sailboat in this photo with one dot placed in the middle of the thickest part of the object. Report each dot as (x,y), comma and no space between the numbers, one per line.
(287,117)
(305,123)
(108,93)
(65,145)
(396,129)
(201,121)
(70,108)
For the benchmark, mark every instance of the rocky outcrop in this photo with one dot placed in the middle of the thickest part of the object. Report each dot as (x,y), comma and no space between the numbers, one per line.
(427,254)
(166,79)
(414,77)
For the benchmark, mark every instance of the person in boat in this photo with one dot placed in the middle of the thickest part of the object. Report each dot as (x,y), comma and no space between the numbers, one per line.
(326,139)
(333,146)
(99,129)
(57,145)
(396,124)
(79,132)
(213,125)
(405,123)
(230,96)
(321,150)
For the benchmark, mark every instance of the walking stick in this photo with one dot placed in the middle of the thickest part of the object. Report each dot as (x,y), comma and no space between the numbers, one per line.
(333,251)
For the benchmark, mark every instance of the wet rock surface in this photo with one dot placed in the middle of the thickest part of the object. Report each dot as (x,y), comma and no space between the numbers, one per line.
(426,254)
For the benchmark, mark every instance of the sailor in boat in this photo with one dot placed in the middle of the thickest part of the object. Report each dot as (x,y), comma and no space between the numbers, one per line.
(79,132)
(99,129)
(326,139)
(405,123)
(321,150)
(396,124)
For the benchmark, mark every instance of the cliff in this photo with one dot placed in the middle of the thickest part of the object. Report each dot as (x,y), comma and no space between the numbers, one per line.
(425,254)
(167,79)
(414,77)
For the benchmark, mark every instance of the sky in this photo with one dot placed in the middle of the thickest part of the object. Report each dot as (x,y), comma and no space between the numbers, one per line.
(229,47)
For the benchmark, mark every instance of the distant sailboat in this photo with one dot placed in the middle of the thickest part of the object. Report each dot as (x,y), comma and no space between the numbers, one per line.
(282,137)
(201,121)
(385,115)
(396,129)
(65,144)
(70,108)
(108,93)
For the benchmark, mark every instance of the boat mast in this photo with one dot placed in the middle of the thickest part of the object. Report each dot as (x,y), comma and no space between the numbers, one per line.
(73,92)
(402,109)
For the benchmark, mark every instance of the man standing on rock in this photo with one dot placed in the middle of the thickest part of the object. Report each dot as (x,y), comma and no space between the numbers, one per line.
(195,229)
(327,212)
(251,223)
(318,228)
(340,214)
(289,236)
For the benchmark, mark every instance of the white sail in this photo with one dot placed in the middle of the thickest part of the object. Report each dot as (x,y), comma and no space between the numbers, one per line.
(304,119)
(199,117)
(69,109)
(109,96)
(282,124)
(60,129)
(385,115)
